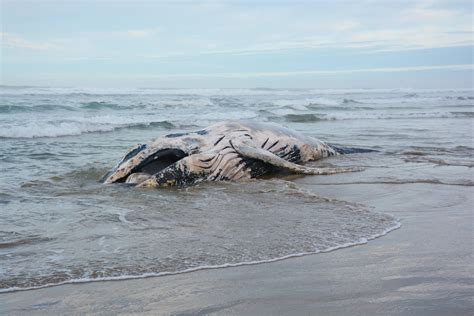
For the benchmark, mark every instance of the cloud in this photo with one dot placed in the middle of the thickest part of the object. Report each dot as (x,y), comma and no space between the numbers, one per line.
(381,29)
(311,72)
(227,28)
(412,38)
(424,11)
(12,41)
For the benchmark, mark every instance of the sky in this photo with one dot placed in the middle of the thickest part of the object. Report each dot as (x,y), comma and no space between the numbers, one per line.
(238,44)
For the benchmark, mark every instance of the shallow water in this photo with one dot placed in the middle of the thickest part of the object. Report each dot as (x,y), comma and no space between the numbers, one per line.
(59,225)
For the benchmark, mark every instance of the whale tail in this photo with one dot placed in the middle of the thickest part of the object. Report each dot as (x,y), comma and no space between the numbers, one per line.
(351,150)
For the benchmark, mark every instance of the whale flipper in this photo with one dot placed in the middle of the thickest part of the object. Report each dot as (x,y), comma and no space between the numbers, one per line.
(270,158)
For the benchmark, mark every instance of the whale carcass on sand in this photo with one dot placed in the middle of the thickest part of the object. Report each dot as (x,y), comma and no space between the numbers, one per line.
(227,151)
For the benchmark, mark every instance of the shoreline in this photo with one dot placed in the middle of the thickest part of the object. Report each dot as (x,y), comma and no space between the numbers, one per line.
(361,242)
(421,269)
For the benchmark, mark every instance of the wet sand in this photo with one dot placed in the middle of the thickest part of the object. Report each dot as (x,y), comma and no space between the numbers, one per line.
(423,268)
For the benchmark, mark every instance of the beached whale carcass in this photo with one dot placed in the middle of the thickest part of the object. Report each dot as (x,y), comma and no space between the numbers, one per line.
(227,151)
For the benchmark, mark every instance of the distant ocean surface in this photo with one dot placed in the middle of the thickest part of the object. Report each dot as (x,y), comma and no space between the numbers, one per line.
(59,225)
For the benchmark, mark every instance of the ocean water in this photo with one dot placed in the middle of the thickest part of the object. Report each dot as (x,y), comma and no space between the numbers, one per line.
(59,225)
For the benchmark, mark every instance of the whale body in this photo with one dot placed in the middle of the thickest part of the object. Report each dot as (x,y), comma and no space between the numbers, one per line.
(226,151)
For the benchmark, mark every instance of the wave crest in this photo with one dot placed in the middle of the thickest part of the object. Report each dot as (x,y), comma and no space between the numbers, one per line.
(10,108)
(58,129)
(99,105)
(302,118)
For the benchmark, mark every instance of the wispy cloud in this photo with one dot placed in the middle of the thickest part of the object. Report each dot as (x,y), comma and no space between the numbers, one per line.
(424,11)
(12,41)
(311,72)
(415,25)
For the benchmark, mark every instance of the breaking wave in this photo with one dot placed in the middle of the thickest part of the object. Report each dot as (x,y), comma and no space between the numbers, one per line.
(58,129)
(314,117)
(350,101)
(7,108)
(302,118)
(99,105)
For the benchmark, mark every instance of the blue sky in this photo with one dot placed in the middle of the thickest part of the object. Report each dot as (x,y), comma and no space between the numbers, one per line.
(241,44)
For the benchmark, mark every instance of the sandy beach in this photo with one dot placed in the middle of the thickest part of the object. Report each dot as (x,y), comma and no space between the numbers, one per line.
(423,268)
